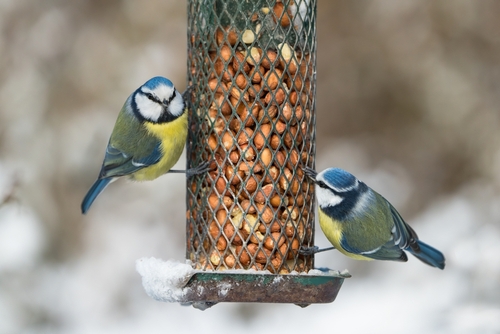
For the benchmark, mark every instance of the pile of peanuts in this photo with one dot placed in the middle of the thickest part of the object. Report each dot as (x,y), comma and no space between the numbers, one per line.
(255,209)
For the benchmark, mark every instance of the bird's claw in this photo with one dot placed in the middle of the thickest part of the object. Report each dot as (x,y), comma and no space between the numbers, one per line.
(308,251)
(186,96)
(310,172)
(200,169)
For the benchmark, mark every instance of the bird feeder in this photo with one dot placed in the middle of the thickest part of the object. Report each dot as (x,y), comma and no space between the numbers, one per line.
(251,65)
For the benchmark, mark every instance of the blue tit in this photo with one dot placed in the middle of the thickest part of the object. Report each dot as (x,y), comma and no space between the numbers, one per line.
(362,224)
(148,137)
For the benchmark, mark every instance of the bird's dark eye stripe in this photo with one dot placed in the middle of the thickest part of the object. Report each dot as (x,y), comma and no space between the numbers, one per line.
(152,97)
(171,97)
(322,184)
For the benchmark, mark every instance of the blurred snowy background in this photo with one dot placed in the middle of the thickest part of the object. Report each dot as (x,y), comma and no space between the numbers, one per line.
(408,100)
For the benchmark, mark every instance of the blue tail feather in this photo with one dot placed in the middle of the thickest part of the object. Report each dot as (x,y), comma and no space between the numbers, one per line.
(429,255)
(93,192)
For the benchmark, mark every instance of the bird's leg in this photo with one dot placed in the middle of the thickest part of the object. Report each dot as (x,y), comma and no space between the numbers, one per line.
(308,251)
(200,169)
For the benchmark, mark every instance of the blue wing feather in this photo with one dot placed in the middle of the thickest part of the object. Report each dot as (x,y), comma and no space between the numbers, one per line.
(429,255)
(93,192)
(117,163)
(404,235)
(152,158)
(408,240)
(389,251)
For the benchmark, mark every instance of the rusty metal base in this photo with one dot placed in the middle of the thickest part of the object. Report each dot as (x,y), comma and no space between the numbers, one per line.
(206,289)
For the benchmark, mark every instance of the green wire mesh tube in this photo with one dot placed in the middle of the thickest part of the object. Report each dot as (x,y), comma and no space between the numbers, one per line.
(252,69)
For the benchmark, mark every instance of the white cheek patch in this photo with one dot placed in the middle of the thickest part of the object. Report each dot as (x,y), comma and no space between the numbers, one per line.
(176,107)
(326,198)
(147,108)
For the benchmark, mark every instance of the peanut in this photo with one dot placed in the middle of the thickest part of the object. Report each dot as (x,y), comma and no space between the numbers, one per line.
(276,239)
(244,136)
(266,213)
(230,261)
(248,152)
(281,15)
(251,184)
(213,201)
(221,185)
(234,157)
(233,175)
(269,59)
(262,194)
(215,258)
(256,237)
(254,56)
(266,157)
(261,136)
(212,142)
(245,205)
(239,61)
(241,81)
(213,229)
(275,142)
(228,141)
(221,243)
(272,78)
(225,53)
(275,201)
(224,106)
(248,36)
(256,74)
(243,255)
(275,226)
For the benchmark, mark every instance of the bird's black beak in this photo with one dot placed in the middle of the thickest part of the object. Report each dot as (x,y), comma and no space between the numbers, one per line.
(311,173)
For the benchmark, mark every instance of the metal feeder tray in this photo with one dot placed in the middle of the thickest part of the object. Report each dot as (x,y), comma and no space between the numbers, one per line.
(206,289)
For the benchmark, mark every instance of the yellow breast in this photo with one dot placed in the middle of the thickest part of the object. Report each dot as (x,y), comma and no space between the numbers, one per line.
(333,232)
(173,138)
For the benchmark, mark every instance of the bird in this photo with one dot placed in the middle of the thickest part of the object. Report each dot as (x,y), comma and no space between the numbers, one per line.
(148,137)
(362,224)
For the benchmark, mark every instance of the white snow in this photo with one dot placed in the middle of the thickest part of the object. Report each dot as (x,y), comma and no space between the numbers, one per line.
(22,236)
(164,280)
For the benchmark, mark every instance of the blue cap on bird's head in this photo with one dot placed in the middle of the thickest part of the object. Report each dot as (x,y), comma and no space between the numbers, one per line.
(157,81)
(338,179)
